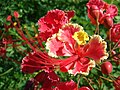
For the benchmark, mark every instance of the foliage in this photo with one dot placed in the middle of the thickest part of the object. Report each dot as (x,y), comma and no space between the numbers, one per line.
(30,11)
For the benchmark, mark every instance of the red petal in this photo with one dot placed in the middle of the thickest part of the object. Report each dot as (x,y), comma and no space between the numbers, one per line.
(75,65)
(54,46)
(70,14)
(112,10)
(52,22)
(82,66)
(34,62)
(96,49)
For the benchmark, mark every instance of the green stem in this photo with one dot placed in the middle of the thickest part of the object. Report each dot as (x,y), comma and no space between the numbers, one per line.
(88,83)
(78,81)
(97,27)
(110,44)
(116,45)
(106,79)
(8,71)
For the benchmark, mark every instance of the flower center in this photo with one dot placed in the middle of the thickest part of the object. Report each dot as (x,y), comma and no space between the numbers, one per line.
(81,37)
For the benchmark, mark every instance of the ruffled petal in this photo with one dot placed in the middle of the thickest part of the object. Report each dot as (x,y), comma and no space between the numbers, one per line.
(96,49)
(75,65)
(62,43)
(112,11)
(99,3)
(65,34)
(82,66)
(52,22)
(54,46)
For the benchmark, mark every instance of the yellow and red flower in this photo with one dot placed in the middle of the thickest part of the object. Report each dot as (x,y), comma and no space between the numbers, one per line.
(71,40)
(64,39)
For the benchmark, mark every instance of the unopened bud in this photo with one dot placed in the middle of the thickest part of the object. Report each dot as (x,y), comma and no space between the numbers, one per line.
(9,18)
(16,14)
(108,22)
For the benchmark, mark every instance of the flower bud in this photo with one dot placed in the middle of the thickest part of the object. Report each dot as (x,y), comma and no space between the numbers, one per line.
(9,18)
(95,11)
(16,14)
(106,67)
(108,22)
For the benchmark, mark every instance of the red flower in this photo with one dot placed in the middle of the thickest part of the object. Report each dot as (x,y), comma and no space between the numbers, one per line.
(95,9)
(114,33)
(9,18)
(46,79)
(50,79)
(52,21)
(16,14)
(105,13)
(107,19)
(116,83)
(71,41)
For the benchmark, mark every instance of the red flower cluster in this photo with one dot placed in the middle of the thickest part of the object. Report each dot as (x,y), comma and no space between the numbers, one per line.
(50,81)
(67,47)
(63,39)
(100,11)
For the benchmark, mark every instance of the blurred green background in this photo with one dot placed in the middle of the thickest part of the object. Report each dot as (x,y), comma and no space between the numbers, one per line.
(11,77)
